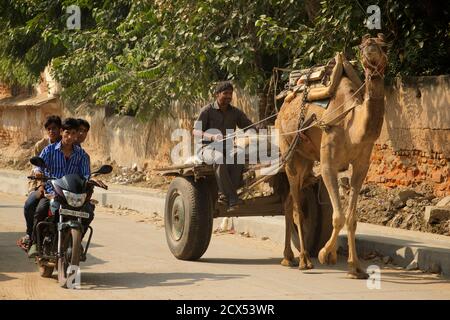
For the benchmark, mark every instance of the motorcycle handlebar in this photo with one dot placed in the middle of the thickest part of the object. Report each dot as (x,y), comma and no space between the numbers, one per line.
(96,184)
(39,178)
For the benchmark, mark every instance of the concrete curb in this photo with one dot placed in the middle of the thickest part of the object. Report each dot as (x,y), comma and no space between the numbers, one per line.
(139,199)
(14,182)
(144,201)
(411,249)
(408,249)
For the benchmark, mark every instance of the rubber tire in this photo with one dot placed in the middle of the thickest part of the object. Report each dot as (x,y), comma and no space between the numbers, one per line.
(198,220)
(75,238)
(317,224)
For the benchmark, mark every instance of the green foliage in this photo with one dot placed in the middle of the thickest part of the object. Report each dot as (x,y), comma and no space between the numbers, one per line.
(418,33)
(139,56)
(179,49)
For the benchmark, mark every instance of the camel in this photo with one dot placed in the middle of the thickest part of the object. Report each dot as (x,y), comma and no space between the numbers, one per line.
(346,140)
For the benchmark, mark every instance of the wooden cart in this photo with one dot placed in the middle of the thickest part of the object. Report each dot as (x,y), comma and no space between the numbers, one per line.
(191,205)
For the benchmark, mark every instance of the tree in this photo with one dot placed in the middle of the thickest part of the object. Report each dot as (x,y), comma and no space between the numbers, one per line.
(138,56)
(418,33)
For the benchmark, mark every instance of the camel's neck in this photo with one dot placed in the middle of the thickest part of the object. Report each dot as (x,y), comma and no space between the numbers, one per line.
(374,89)
(369,118)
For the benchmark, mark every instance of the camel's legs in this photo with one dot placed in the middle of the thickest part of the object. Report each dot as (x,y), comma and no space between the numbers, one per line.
(328,253)
(297,170)
(288,255)
(359,173)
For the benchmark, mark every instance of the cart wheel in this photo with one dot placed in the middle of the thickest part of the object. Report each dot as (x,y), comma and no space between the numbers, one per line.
(188,218)
(317,225)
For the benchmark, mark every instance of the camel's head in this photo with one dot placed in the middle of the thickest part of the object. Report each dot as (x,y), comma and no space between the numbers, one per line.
(373,54)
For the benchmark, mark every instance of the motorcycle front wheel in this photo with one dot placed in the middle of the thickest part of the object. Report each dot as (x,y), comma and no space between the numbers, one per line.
(71,247)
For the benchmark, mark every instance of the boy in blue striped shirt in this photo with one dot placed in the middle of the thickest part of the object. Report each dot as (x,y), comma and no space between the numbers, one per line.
(62,158)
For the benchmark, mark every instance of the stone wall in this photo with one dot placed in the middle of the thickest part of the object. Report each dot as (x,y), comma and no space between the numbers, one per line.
(414,142)
(418,115)
(128,141)
(5,91)
(24,123)
(23,110)
(5,138)
(413,146)
(47,85)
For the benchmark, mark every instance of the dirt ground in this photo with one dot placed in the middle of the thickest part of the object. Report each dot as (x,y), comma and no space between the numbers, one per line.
(136,263)
(382,206)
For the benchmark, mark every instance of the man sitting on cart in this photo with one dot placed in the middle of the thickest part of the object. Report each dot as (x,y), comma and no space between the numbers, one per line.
(214,122)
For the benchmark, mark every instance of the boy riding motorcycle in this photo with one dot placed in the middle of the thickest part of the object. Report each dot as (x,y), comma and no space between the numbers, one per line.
(52,126)
(62,158)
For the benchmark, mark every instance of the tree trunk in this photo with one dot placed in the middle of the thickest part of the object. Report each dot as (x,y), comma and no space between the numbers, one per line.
(312,8)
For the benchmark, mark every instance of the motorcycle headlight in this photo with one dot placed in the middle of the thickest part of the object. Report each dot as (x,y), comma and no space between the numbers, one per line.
(73,199)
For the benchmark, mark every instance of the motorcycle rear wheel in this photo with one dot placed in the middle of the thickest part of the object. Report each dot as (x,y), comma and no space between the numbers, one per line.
(45,271)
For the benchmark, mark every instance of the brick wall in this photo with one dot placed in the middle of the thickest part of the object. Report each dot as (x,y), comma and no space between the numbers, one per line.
(127,140)
(414,143)
(25,124)
(5,138)
(43,89)
(413,146)
(4,91)
(409,168)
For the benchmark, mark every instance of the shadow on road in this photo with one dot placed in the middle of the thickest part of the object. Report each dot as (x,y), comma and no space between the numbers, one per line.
(411,277)
(11,206)
(15,260)
(388,273)
(4,277)
(91,261)
(134,280)
(268,261)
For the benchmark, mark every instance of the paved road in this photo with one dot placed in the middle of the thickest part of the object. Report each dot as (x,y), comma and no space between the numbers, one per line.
(129,259)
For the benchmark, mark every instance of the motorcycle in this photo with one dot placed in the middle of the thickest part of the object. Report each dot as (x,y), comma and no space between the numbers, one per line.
(59,235)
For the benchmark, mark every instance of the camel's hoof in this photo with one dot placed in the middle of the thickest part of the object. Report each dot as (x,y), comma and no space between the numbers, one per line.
(305,262)
(289,262)
(327,257)
(357,273)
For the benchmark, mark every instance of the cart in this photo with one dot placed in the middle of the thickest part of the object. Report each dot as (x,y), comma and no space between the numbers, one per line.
(191,205)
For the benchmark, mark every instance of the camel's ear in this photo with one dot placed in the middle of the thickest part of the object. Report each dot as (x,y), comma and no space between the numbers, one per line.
(382,41)
(381,38)
(365,37)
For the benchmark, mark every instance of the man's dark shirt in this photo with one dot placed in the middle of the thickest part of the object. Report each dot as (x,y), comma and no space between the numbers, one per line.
(212,117)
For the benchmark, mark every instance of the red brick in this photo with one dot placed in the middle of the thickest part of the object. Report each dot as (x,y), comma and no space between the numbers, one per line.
(410,174)
(437,177)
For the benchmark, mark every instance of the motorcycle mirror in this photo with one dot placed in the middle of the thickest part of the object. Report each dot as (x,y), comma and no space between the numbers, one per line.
(104,169)
(38,162)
